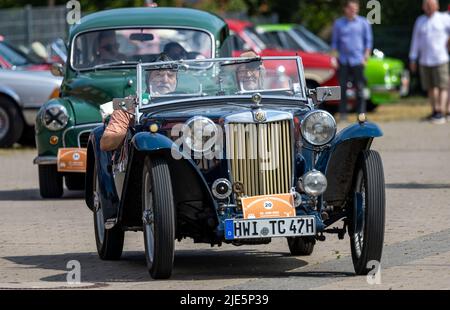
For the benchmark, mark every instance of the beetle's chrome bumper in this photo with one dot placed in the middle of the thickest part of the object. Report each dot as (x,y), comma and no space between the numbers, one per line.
(45,160)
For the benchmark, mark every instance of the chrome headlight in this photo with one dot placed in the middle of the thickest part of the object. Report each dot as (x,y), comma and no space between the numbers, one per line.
(314,183)
(200,134)
(55,117)
(318,127)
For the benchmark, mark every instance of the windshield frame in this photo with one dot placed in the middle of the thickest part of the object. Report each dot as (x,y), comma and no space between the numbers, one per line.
(141,68)
(132,65)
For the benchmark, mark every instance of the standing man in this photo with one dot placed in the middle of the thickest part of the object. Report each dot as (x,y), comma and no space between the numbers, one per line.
(429,48)
(353,41)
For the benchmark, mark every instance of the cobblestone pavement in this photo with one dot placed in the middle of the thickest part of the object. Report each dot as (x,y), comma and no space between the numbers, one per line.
(39,237)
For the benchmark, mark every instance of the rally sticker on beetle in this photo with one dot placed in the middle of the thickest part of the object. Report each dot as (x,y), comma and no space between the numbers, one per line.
(71,160)
(270,206)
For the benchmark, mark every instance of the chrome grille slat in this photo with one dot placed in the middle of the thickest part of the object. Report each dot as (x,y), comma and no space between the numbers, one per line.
(247,148)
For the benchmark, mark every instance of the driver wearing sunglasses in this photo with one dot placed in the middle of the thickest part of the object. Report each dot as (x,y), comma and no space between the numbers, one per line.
(107,48)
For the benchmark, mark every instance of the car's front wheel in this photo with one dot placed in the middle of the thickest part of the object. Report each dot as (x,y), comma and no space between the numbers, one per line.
(158,216)
(11,122)
(50,181)
(109,242)
(366,227)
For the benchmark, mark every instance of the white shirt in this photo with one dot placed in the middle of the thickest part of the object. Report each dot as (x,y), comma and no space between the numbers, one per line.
(430,38)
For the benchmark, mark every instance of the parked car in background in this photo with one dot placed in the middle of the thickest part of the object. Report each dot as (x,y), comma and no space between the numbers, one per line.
(104,50)
(227,159)
(14,59)
(320,68)
(22,93)
(57,51)
(387,78)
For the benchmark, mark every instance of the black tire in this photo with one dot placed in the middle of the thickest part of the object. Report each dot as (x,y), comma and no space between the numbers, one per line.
(301,246)
(11,122)
(28,136)
(109,242)
(75,181)
(50,182)
(158,213)
(367,245)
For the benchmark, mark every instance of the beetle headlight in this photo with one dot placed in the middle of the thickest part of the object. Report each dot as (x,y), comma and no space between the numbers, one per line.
(55,117)
(318,128)
(314,183)
(200,134)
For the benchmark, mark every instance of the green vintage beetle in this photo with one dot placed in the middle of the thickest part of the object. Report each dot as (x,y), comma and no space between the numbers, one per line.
(104,49)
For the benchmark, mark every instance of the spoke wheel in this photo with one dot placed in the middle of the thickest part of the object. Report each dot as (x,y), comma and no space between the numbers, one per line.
(367,243)
(158,217)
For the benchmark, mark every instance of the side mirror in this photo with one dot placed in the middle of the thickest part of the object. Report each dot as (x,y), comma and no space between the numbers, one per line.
(57,69)
(126,104)
(332,93)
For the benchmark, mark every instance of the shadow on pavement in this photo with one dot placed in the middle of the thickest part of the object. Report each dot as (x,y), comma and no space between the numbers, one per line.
(188,265)
(33,195)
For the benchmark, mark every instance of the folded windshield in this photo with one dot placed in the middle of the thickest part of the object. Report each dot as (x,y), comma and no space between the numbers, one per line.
(175,80)
(103,48)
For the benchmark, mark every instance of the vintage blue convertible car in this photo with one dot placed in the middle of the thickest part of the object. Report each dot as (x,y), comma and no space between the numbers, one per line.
(236,151)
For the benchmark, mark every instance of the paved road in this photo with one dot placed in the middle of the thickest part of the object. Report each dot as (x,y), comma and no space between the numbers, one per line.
(39,237)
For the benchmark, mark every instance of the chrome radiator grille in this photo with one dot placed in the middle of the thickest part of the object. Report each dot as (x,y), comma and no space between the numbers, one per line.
(260,156)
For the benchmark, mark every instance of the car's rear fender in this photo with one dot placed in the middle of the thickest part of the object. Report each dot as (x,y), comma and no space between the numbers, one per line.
(189,185)
(339,161)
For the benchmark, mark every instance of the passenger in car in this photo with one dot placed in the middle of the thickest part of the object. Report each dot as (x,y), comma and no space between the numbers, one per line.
(175,51)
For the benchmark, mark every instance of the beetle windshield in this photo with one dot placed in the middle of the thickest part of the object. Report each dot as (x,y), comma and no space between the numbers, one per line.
(177,80)
(106,48)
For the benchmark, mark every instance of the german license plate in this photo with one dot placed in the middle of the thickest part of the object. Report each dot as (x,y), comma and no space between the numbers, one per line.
(264,228)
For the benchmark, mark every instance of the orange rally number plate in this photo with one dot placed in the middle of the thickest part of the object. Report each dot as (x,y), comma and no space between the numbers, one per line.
(72,160)
(270,206)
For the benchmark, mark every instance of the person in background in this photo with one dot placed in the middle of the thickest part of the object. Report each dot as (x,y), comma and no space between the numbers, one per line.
(352,41)
(107,48)
(429,54)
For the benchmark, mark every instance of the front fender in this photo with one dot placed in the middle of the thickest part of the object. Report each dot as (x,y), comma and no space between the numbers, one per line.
(155,142)
(188,182)
(150,142)
(339,161)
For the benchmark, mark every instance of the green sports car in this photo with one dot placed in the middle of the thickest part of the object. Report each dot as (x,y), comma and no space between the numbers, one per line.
(387,78)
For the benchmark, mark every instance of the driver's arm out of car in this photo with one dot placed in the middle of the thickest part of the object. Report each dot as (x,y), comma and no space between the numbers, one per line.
(116,130)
